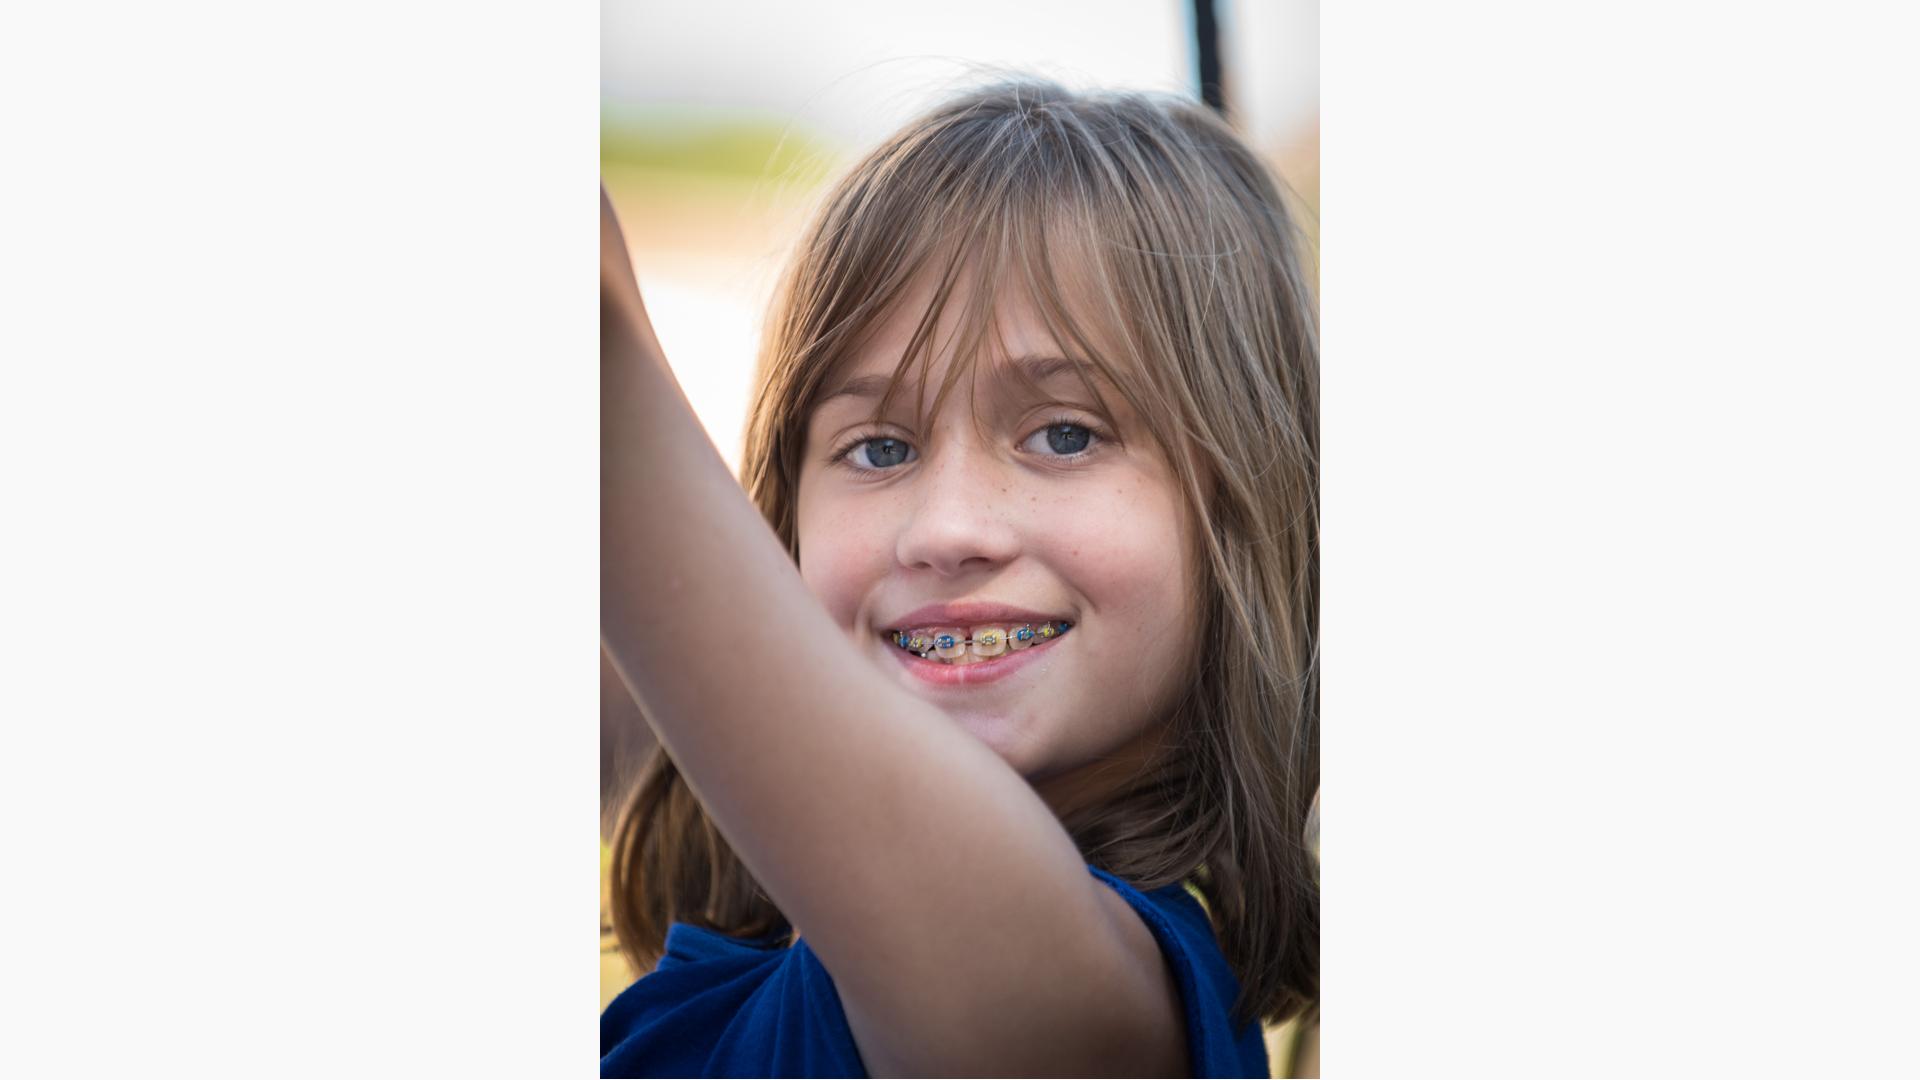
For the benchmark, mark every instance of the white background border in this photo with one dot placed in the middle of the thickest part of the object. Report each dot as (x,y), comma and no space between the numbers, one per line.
(298,426)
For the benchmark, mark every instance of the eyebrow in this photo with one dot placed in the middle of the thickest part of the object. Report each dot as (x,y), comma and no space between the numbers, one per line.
(1040,369)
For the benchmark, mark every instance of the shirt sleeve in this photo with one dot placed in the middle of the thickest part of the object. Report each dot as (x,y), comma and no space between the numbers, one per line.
(1216,1046)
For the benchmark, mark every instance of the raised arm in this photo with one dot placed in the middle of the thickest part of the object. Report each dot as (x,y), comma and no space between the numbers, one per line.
(959,922)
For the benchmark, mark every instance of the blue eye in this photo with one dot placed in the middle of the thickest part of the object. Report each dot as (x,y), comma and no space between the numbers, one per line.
(1063,439)
(881,453)
(1068,438)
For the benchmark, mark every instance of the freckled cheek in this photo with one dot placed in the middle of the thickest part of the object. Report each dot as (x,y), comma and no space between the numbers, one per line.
(1126,558)
(842,560)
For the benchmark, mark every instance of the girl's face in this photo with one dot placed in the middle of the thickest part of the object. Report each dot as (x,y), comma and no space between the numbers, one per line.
(1015,507)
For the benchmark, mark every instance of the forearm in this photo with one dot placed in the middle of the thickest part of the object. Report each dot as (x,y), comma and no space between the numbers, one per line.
(702,611)
(794,742)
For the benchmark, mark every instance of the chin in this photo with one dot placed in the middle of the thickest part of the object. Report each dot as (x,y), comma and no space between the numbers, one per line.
(1008,735)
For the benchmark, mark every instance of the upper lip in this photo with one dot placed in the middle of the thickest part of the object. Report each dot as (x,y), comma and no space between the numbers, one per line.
(966,614)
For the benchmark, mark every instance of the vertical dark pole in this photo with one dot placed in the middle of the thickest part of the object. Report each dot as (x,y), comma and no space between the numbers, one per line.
(1206,35)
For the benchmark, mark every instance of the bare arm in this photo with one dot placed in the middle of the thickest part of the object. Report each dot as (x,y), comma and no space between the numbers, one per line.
(959,922)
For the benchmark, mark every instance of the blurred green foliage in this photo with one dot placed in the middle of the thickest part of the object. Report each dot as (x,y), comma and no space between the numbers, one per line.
(720,147)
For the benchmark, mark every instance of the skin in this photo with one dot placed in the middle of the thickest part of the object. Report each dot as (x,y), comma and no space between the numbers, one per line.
(986,507)
(963,932)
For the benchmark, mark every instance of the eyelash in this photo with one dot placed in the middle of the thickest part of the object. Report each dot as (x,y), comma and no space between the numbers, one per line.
(1098,439)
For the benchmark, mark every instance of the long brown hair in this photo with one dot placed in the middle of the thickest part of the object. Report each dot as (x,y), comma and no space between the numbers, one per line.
(1159,248)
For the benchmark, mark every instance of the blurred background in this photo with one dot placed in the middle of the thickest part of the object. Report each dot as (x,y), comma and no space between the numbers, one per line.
(722,122)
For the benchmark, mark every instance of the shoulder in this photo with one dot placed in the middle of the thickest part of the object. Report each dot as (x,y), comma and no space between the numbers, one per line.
(723,1006)
(1169,929)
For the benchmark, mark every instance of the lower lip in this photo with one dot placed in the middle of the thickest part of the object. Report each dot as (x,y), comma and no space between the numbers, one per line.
(978,673)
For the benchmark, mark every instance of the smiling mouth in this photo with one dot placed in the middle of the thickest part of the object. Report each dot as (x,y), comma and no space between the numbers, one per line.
(961,646)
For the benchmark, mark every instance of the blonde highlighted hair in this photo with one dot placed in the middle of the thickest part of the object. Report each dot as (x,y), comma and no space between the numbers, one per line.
(1158,250)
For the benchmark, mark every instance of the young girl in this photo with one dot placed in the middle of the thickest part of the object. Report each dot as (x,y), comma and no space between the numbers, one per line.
(1012,776)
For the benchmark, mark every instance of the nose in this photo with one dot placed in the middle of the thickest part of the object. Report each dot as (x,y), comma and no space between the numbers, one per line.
(962,517)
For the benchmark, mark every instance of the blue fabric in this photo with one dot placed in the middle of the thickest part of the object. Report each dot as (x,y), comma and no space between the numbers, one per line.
(721,1006)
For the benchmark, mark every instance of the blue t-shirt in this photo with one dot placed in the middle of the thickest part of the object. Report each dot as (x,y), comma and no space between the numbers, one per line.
(721,1006)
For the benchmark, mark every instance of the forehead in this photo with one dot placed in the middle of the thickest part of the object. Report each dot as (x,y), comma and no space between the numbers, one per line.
(1002,343)
(1044,370)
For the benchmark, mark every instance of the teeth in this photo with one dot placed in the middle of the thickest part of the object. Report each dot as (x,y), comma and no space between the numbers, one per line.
(989,641)
(949,645)
(959,645)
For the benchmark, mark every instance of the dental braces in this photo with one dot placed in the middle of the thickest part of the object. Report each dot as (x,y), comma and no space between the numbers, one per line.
(949,648)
